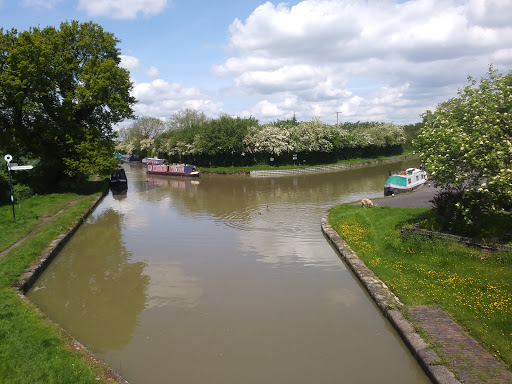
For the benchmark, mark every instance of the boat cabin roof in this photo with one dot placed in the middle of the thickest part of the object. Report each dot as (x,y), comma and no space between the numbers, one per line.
(397,180)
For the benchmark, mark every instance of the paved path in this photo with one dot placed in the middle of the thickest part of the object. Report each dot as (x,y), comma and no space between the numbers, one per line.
(470,362)
(419,198)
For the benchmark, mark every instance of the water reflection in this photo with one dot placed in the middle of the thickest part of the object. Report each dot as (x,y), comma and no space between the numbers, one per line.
(119,191)
(235,199)
(104,291)
(155,181)
(171,286)
(224,279)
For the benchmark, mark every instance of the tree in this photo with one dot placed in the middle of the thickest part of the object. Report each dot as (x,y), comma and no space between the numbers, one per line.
(466,144)
(185,118)
(139,137)
(61,92)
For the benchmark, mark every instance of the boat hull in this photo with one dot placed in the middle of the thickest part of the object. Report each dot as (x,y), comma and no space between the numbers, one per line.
(390,190)
(172,170)
(191,174)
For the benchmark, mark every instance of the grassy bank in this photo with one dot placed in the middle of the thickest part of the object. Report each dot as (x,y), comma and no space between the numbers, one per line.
(32,350)
(266,167)
(472,285)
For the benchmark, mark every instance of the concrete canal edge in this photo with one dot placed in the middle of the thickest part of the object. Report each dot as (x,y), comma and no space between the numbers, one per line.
(327,168)
(392,309)
(27,279)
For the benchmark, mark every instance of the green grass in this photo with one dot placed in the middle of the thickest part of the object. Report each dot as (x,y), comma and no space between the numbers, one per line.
(267,167)
(29,213)
(472,285)
(32,350)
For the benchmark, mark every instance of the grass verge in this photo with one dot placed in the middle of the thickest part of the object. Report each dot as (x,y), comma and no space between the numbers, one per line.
(32,350)
(472,285)
(29,214)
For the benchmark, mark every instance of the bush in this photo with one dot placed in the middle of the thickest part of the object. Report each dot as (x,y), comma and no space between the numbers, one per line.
(22,192)
(444,202)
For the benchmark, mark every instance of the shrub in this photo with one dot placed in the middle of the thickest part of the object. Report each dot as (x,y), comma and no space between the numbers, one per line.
(22,192)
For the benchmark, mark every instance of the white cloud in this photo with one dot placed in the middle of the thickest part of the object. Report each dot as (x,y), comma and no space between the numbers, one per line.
(490,13)
(122,9)
(129,62)
(153,72)
(373,59)
(161,99)
(265,108)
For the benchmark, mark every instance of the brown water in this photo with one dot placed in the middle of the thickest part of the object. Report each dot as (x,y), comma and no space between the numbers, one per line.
(224,279)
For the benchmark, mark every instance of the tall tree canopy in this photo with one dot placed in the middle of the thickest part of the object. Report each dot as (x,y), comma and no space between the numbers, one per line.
(139,136)
(61,92)
(466,144)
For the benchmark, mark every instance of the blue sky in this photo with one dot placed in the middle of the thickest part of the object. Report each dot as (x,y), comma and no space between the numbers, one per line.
(378,60)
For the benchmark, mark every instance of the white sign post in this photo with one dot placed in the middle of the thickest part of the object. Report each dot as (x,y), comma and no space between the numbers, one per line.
(14,167)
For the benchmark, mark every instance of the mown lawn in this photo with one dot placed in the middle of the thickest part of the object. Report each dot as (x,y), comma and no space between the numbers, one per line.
(32,350)
(474,286)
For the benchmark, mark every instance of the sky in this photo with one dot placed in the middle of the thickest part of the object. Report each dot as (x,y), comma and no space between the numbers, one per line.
(336,60)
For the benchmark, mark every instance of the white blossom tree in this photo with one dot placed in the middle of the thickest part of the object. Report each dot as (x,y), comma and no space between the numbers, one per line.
(311,136)
(466,144)
(268,139)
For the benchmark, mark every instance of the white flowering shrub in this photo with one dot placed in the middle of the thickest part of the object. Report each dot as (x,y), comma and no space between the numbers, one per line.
(467,144)
(147,144)
(268,139)
(311,136)
(124,146)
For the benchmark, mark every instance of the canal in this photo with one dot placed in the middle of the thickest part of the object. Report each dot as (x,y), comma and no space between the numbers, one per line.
(224,279)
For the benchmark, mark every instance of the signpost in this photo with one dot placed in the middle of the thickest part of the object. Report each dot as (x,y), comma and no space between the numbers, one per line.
(21,167)
(14,167)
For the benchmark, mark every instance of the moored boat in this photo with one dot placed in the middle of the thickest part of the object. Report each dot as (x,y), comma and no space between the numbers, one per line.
(157,166)
(118,177)
(405,181)
(153,161)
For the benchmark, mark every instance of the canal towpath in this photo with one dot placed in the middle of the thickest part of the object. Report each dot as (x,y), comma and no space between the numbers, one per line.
(469,362)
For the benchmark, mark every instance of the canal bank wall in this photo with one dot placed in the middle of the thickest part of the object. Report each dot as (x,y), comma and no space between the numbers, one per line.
(327,168)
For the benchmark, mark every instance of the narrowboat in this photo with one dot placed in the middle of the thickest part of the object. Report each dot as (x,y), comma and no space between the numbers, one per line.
(404,181)
(156,166)
(118,177)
